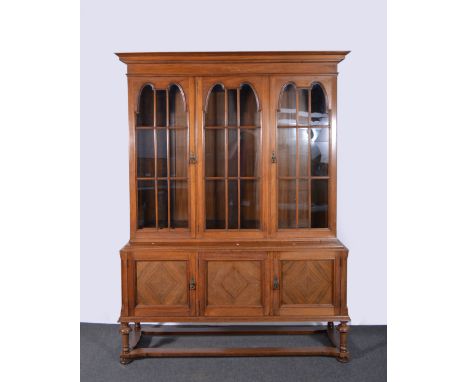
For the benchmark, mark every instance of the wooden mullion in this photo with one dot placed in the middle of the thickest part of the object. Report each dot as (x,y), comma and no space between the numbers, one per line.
(155,145)
(155,179)
(297,158)
(250,127)
(226,153)
(168,165)
(164,178)
(172,127)
(309,171)
(238,158)
(319,177)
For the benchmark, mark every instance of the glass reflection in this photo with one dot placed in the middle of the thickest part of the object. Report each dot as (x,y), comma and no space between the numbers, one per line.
(215,111)
(214,152)
(145,153)
(287,112)
(319,151)
(319,108)
(319,203)
(215,204)
(146,204)
(179,202)
(145,115)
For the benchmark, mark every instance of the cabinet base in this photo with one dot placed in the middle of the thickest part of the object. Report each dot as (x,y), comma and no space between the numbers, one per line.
(131,339)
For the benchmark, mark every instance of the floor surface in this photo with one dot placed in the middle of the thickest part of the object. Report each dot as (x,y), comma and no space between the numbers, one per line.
(100,348)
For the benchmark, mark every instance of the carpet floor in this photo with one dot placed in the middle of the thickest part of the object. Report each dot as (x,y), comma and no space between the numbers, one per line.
(100,348)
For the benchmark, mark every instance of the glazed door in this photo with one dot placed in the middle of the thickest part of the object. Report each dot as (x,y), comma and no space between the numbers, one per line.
(306,283)
(234,284)
(162,284)
(303,168)
(232,170)
(161,173)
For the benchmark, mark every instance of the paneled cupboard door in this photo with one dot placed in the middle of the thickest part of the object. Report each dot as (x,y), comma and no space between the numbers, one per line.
(162,175)
(232,180)
(162,284)
(306,284)
(303,168)
(234,284)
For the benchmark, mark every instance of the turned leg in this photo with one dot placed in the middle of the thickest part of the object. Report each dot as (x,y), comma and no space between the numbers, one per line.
(125,331)
(344,354)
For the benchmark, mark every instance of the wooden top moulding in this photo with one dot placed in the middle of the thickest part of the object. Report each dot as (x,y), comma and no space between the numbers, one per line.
(181,57)
(207,63)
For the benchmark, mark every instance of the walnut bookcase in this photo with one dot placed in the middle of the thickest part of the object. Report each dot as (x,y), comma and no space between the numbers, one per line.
(233,200)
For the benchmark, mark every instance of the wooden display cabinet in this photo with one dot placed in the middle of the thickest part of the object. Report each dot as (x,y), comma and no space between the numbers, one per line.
(233,199)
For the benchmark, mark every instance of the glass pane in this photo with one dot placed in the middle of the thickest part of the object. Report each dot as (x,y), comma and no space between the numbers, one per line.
(319,204)
(286,154)
(161,146)
(233,206)
(179,204)
(161,108)
(215,204)
(303,204)
(162,203)
(214,152)
(232,152)
(287,112)
(319,151)
(146,107)
(232,107)
(215,111)
(286,203)
(318,106)
(145,153)
(303,116)
(177,115)
(303,145)
(249,115)
(249,151)
(178,152)
(146,205)
(249,200)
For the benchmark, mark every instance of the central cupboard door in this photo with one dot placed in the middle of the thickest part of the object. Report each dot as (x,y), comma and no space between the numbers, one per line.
(232,186)
(234,284)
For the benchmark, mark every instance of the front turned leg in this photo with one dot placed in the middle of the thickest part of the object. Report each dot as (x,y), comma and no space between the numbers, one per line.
(344,354)
(125,331)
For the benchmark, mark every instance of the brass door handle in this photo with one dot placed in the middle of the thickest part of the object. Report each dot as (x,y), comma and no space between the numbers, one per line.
(192,283)
(275,283)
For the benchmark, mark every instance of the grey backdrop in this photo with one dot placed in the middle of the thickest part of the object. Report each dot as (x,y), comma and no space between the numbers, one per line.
(137,25)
